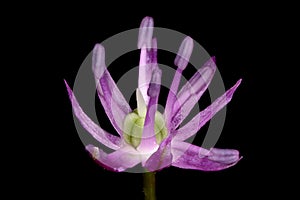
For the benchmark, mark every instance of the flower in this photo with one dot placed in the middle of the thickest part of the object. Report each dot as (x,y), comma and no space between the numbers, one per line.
(145,135)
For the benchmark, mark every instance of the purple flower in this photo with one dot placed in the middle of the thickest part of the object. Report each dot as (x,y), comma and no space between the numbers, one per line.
(145,135)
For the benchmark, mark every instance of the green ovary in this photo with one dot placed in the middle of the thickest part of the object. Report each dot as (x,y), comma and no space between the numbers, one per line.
(134,124)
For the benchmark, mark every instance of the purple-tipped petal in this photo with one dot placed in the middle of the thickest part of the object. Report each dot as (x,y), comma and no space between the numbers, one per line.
(148,140)
(116,107)
(98,62)
(148,62)
(112,100)
(192,91)
(96,131)
(144,78)
(193,126)
(226,156)
(162,158)
(181,60)
(171,100)
(146,32)
(120,160)
(184,53)
(188,156)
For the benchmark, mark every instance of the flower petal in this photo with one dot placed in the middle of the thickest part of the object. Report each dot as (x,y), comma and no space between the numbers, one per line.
(98,62)
(161,158)
(112,100)
(148,140)
(146,32)
(120,160)
(96,131)
(184,53)
(181,60)
(193,126)
(188,156)
(148,62)
(192,91)
(148,56)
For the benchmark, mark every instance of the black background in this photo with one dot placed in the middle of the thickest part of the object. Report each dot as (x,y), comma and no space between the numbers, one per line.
(60,37)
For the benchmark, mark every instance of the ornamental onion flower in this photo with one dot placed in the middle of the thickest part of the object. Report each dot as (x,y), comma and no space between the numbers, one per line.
(146,136)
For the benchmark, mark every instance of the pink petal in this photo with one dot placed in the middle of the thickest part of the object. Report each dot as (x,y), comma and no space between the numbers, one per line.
(146,32)
(112,100)
(184,53)
(148,62)
(192,91)
(188,156)
(96,131)
(181,60)
(120,160)
(98,62)
(148,140)
(193,126)
(148,57)
(162,158)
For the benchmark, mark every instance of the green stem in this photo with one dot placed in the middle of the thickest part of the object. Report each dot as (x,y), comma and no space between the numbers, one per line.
(149,185)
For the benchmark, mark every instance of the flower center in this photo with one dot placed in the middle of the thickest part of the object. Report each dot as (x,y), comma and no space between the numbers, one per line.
(134,125)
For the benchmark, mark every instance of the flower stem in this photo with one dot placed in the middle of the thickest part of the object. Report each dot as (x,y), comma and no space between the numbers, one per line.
(149,185)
